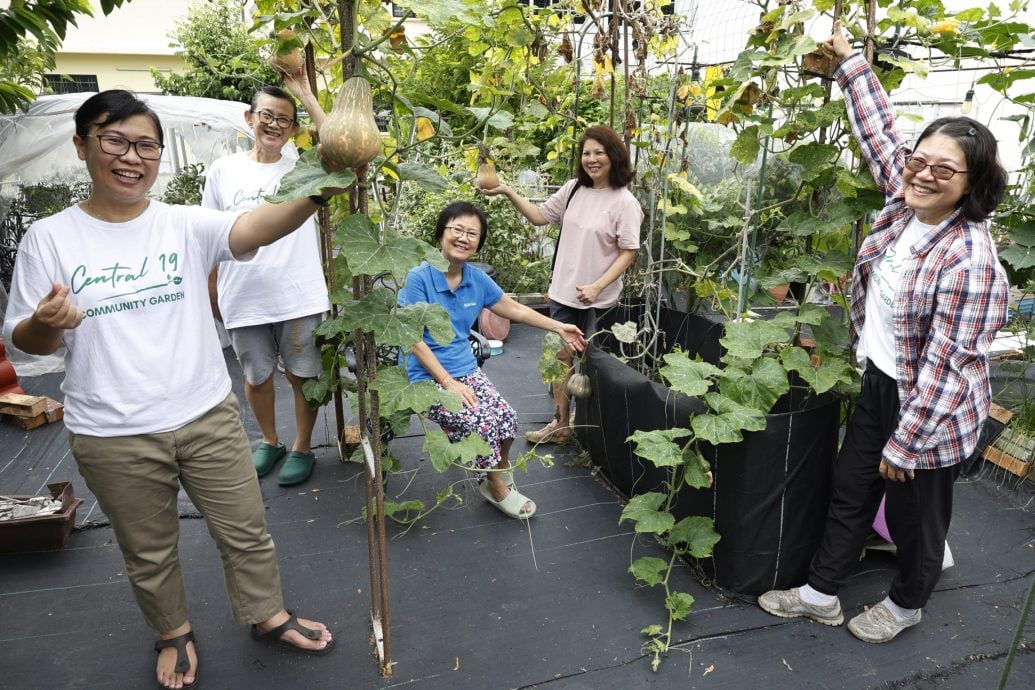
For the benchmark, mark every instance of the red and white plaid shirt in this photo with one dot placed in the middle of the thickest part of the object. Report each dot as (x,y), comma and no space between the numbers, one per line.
(952,298)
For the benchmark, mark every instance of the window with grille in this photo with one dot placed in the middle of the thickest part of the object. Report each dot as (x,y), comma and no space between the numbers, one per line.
(71,83)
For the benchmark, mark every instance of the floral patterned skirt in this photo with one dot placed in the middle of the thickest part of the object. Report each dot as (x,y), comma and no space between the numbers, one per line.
(493,418)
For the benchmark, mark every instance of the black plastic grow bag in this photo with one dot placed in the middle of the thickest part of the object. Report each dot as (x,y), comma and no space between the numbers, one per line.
(770,493)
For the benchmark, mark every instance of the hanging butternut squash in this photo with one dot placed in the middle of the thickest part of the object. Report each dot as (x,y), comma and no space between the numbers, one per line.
(349,136)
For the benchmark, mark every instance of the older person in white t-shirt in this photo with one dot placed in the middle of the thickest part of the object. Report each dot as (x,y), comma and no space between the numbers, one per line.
(600,235)
(271,305)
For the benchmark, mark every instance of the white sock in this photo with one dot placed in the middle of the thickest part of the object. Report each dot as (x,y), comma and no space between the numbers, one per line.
(815,598)
(897,611)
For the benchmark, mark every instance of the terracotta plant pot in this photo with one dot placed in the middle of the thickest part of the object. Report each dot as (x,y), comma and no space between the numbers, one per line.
(779,293)
(493,327)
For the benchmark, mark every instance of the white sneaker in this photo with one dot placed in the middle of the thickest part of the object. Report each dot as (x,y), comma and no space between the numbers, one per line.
(787,603)
(878,624)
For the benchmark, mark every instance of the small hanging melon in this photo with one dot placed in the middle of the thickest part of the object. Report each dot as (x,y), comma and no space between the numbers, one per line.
(349,136)
(487,177)
(579,386)
(287,56)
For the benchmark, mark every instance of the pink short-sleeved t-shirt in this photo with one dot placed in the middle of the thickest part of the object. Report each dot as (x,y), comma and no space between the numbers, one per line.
(597,224)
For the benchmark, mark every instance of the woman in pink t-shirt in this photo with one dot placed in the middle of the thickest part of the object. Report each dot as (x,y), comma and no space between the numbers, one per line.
(600,235)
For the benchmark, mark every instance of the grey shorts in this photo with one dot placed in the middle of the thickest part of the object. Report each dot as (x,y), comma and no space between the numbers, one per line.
(257,348)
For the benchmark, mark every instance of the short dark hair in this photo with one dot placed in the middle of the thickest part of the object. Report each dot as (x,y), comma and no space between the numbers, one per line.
(986,177)
(276,92)
(457,209)
(114,105)
(621,165)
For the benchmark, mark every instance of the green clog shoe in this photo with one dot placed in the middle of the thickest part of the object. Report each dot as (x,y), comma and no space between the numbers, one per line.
(296,469)
(266,456)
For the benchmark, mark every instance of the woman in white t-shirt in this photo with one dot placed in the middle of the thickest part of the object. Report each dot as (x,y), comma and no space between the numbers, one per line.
(928,296)
(121,281)
(600,235)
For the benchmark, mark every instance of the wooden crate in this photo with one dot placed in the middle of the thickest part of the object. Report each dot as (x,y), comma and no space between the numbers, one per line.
(45,533)
(1013,451)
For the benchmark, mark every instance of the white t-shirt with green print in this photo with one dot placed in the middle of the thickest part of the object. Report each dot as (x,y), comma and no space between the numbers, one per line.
(146,358)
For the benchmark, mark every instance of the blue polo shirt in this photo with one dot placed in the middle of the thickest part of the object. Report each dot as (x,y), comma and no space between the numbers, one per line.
(475,292)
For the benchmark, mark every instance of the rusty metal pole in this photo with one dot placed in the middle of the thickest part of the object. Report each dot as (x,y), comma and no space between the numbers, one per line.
(368,412)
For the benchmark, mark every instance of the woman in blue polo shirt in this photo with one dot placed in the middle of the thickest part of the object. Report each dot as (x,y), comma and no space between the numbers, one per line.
(463,291)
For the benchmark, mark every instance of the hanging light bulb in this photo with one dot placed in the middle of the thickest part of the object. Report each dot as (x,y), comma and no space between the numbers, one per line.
(968,101)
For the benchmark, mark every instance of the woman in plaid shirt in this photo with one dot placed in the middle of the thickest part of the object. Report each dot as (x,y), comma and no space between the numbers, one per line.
(928,296)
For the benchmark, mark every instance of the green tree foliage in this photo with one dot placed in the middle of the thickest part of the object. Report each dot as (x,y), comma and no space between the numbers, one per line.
(31,31)
(222,59)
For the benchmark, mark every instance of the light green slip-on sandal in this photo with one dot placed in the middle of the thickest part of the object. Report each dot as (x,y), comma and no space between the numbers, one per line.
(296,469)
(266,456)
(511,504)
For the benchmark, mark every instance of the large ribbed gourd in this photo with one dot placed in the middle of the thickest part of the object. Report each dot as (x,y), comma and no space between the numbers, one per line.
(349,135)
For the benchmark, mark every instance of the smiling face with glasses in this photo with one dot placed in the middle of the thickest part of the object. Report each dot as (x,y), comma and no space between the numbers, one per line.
(122,158)
(272,121)
(935,178)
(461,238)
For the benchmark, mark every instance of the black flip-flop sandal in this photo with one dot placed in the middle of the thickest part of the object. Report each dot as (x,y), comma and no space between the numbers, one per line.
(275,636)
(182,660)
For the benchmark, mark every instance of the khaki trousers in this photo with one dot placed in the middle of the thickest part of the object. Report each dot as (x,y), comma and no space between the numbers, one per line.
(136,480)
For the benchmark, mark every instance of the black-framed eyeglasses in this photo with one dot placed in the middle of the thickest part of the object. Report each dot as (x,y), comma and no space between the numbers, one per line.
(939,170)
(459,232)
(147,149)
(268,118)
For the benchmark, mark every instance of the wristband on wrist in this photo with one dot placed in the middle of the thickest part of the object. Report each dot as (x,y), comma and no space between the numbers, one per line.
(319,200)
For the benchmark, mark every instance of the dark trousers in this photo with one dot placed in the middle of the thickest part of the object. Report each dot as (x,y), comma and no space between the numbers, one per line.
(918,510)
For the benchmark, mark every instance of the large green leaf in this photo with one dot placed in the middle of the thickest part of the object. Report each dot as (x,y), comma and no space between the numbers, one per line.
(402,327)
(1023,234)
(687,376)
(439,449)
(729,420)
(831,334)
(649,570)
(427,177)
(746,147)
(814,158)
(367,255)
(442,12)
(643,511)
(308,177)
(822,377)
(758,386)
(679,605)
(828,267)
(749,339)
(551,369)
(698,535)
(695,469)
(434,317)
(659,446)
(500,119)
(397,394)
(1018,256)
